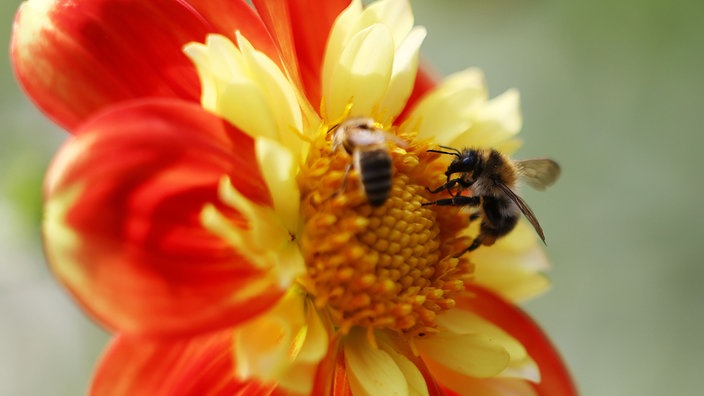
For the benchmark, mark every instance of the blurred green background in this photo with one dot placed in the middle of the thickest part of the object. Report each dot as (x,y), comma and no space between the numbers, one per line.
(612,89)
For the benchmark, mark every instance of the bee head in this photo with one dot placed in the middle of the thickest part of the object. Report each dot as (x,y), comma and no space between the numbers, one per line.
(465,162)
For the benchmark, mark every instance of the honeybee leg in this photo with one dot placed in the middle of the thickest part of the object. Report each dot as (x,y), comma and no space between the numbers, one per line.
(475,244)
(474,216)
(486,239)
(452,183)
(446,186)
(460,200)
(344,182)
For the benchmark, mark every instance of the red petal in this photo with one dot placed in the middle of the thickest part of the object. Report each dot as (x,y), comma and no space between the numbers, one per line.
(122,227)
(556,380)
(192,366)
(76,57)
(331,376)
(301,28)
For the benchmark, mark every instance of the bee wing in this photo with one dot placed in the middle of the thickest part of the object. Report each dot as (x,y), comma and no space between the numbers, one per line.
(525,209)
(539,173)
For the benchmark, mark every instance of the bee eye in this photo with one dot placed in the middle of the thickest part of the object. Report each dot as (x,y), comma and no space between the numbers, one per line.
(468,162)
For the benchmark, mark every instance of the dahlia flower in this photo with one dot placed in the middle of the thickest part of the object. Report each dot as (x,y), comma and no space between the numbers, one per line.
(200,212)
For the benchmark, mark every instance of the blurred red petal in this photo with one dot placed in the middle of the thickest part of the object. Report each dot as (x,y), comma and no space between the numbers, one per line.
(74,58)
(301,28)
(171,367)
(122,227)
(331,375)
(555,378)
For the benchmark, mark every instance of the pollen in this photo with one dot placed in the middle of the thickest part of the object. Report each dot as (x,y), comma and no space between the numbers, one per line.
(380,267)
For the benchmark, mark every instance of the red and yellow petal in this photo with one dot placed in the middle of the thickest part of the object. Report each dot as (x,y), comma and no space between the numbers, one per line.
(123,220)
(75,58)
(171,367)
(301,28)
(555,378)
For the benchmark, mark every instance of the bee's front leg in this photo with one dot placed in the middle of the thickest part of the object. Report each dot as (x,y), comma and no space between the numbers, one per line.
(460,200)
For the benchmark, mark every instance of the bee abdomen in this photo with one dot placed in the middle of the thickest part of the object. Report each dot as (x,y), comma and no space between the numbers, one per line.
(500,216)
(375,173)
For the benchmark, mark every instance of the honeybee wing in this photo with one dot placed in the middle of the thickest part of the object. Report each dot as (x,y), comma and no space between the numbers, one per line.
(539,173)
(525,209)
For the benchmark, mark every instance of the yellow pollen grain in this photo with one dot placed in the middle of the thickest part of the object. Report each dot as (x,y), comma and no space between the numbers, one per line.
(386,267)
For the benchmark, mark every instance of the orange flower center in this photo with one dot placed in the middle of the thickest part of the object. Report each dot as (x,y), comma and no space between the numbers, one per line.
(384,267)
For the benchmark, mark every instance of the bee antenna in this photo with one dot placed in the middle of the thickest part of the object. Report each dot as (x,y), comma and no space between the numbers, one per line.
(453,151)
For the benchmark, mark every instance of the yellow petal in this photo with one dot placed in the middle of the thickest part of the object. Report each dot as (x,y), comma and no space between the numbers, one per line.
(198,53)
(361,74)
(283,345)
(266,242)
(248,89)
(403,77)
(371,371)
(243,104)
(396,14)
(279,170)
(279,94)
(415,380)
(337,42)
(445,113)
(261,348)
(514,266)
(267,345)
(496,121)
(226,61)
(474,355)
(457,321)
(316,341)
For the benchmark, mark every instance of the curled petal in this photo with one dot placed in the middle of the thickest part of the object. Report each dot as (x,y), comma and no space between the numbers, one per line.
(76,57)
(123,228)
(555,378)
(188,366)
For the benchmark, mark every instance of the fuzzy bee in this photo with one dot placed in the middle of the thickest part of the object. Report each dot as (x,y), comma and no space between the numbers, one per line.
(367,144)
(492,178)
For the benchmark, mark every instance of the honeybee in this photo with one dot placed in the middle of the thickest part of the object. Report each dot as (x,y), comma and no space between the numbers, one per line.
(492,179)
(367,144)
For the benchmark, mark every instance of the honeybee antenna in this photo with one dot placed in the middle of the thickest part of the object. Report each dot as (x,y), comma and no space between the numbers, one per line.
(454,151)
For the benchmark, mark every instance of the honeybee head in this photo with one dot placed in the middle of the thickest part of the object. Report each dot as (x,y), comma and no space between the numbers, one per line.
(466,162)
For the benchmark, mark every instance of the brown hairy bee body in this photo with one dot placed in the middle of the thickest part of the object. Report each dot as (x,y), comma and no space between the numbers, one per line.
(492,179)
(367,144)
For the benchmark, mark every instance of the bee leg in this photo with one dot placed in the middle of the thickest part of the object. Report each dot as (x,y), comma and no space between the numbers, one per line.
(475,244)
(474,216)
(343,187)
(460,200)
(446,186)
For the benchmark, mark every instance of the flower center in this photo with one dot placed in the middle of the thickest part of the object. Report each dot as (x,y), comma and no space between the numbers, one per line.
(387,266)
